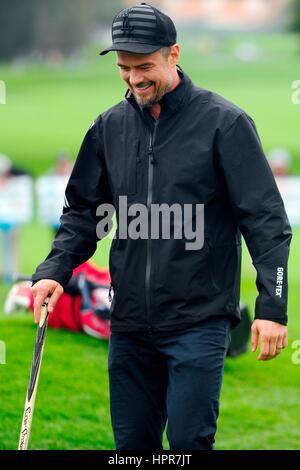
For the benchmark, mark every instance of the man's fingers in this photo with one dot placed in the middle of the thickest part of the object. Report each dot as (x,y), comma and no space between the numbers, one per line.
(54,298)
(273,338)
(254,340)
(42,289)
(280,341)
(38,302)
(264,348)
(273,345)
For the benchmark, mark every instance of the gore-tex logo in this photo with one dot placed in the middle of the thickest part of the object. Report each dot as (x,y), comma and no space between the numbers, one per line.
(279,281)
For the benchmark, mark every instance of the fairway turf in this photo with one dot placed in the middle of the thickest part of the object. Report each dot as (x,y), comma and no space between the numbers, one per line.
(48,110)
(260,406)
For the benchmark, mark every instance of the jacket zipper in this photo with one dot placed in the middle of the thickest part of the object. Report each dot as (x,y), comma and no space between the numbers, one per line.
(151,162)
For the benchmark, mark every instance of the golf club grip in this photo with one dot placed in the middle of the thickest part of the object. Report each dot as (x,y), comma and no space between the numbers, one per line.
(34,377)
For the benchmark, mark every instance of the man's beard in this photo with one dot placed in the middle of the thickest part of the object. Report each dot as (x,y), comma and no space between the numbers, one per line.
(148,103)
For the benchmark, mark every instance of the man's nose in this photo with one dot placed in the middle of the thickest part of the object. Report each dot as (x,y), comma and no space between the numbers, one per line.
(136,77)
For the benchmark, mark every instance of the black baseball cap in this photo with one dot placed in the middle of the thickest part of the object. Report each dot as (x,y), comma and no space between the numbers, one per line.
(141,29)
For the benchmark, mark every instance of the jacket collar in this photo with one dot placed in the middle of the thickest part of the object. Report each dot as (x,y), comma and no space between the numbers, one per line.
(172,101)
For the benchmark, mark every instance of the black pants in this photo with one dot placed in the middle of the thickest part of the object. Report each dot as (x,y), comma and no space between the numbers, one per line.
(175,377)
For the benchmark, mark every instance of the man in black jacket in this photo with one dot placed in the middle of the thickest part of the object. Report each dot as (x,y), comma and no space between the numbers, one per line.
(173,146)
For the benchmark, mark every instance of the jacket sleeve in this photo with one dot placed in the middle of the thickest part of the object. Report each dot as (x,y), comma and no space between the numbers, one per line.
(76,239)
(260,214)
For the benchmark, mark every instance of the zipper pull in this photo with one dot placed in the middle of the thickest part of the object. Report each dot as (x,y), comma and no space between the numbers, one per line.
(151,155)
(109,293)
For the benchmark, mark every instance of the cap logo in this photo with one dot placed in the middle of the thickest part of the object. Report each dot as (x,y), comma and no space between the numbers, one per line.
(126,28)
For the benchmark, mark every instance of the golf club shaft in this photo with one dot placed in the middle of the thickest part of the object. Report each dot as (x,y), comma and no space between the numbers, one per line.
(34,377)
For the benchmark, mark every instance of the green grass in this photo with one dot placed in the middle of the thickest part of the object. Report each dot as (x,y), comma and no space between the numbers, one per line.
(260,406)
(51,109)
(72,405)
(48,110)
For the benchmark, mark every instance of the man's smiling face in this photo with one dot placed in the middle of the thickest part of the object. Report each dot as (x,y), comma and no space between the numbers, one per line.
(148,76)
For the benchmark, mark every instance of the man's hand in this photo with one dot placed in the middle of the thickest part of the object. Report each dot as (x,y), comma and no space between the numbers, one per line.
(273,338)
(43,289)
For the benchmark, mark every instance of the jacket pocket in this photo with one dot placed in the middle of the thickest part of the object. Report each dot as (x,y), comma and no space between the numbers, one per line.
(132,159)
(235,296)
(224,267)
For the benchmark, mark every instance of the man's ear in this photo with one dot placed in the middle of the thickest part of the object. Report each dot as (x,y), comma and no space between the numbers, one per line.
(174,54)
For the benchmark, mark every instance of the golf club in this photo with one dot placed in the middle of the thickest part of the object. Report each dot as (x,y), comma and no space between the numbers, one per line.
(34,377)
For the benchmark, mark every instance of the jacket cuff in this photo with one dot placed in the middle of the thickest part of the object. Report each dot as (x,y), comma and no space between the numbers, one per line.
(62,280)
(281,320)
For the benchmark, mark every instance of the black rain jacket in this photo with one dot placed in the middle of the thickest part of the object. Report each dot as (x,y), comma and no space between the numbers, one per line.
(202,150)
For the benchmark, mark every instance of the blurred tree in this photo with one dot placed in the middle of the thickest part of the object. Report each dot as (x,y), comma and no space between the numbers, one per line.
(61,24)
(108,10)
(296,16)
(16,31)
(51,24)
